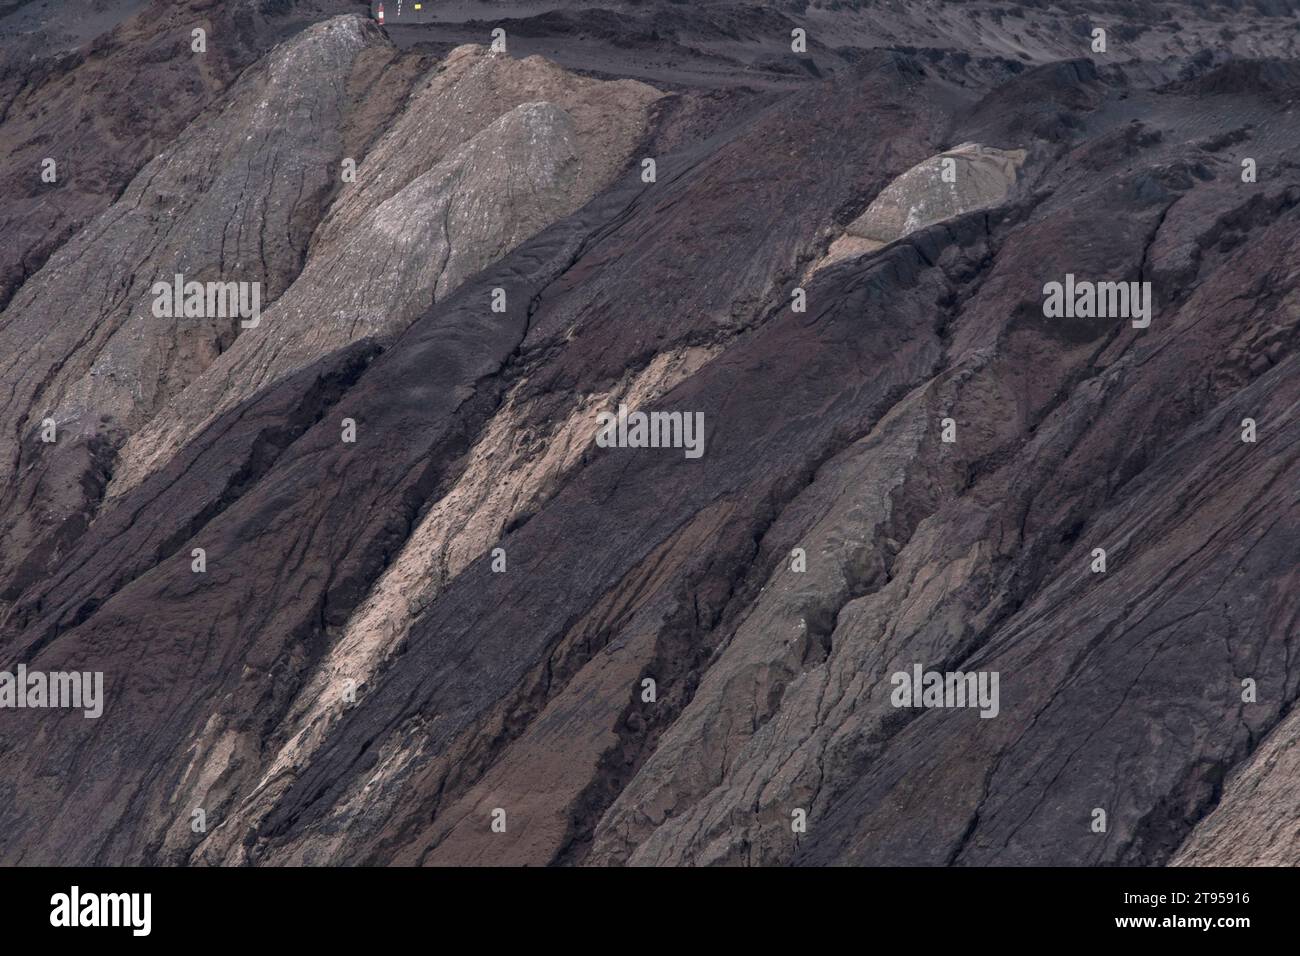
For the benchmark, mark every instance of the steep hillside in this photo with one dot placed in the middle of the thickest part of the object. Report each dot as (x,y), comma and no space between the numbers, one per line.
(371,578)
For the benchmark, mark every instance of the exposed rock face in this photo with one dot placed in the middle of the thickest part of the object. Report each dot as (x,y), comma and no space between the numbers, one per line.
(1255,823)
(394,243)
(469,91)
(945,186)
(372,281)
(357,651)
(104,110)
(503,481)
(234,199)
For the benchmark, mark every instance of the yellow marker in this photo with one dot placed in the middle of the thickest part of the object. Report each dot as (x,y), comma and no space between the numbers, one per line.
(417,6)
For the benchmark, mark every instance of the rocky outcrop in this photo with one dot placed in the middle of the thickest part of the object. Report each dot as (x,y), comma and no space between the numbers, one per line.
(956,181)
(470,90)
(1255,821)
(104,104)
(233,200)
(421,218)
